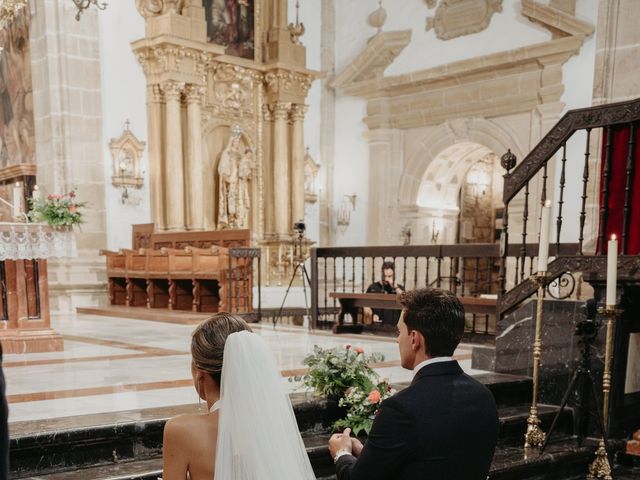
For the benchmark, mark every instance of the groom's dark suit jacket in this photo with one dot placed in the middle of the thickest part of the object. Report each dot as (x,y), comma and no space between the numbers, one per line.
(444,426)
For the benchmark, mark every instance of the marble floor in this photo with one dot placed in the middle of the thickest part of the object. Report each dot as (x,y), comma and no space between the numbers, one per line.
(114,364)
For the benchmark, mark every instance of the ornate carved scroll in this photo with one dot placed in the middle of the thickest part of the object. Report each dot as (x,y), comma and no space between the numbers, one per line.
(455,18)
(150,8)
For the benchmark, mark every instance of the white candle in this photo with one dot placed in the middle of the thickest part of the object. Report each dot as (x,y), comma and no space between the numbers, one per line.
(17,199)
(612,270)
(35,195)
(543,250)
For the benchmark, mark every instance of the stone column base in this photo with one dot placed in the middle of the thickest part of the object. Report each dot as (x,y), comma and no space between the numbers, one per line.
(31,340)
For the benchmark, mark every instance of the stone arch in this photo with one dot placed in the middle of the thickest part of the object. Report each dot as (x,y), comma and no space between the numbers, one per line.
(422,153)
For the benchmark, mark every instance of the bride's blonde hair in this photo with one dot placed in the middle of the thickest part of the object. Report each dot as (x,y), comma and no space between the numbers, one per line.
(208,339)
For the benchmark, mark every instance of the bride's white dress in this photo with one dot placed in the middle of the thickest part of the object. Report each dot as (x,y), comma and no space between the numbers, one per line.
(258,436)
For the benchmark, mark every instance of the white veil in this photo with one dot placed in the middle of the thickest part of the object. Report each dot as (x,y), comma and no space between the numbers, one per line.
(258,437)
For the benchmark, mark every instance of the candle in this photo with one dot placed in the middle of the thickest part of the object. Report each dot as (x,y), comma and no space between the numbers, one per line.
(543,250)
(17,199)
(612,270)
(35,195)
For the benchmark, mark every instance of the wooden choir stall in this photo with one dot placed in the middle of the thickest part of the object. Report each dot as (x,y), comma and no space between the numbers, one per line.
(206,271)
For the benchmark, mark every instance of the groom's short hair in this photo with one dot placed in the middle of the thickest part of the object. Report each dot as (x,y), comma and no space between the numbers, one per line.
(438,315)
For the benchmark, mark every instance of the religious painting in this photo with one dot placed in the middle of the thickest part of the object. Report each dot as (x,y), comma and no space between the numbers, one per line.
(231,23)
(17,134)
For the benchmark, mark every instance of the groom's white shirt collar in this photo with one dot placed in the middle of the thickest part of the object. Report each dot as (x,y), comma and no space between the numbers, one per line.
(417,368)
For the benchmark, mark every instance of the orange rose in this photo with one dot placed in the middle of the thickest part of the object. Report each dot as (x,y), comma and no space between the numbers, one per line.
(72,209)
(359,350)
(374,397)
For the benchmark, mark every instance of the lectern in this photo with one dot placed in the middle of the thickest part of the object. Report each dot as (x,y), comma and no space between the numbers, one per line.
(25,324)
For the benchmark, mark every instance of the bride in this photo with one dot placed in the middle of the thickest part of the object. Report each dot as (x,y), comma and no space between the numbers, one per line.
(250,431)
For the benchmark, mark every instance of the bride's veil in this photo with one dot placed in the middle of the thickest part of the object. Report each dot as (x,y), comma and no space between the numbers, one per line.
(258,437)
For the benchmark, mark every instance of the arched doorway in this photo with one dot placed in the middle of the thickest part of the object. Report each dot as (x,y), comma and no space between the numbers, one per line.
(459,195)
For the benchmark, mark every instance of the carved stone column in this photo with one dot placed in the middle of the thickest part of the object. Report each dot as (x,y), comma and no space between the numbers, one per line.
(281,169)
(297,162)
(155,100)
(193,164)
(174,178)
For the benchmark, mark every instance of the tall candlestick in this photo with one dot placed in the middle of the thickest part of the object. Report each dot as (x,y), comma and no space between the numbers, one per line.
(35,195)
(17,199)
(545,225)
(612,270)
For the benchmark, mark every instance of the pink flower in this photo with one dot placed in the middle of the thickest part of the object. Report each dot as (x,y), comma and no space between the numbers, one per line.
(359,350)
(49,197)
(374,397)
(56,196)
(72,194)
(347,346)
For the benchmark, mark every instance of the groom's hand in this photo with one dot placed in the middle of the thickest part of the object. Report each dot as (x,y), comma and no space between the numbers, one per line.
(340,442)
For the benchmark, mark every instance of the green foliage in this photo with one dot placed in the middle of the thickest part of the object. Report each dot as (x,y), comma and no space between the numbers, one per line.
(345,373)
(58,210)
(333,371)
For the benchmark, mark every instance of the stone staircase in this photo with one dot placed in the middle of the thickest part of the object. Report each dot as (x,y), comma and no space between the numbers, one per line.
(130,449)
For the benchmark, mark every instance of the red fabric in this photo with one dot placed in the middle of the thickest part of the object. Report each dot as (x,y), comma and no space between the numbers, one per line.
(616,188)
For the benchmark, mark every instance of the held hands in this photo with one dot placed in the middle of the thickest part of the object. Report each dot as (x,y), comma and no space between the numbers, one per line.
(343,442)
(340,442)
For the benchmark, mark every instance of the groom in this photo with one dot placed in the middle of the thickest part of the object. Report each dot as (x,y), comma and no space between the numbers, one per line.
(445,424)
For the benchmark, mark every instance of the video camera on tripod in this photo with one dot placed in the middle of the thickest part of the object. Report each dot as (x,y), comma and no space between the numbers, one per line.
(299,229)
(587,328)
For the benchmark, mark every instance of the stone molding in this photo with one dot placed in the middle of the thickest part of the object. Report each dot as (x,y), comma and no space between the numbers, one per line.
(497,84)
(455,18)
(555,20)
(379,53)
(480,68)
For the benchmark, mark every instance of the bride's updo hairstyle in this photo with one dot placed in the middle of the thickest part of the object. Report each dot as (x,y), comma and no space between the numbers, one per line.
(208,339)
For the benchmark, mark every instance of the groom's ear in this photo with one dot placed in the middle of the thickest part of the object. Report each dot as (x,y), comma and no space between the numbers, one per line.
(417,341)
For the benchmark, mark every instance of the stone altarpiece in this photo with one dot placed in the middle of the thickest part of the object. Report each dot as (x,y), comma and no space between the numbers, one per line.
(225,133)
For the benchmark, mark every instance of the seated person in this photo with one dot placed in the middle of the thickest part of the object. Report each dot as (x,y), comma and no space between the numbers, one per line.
(386,285)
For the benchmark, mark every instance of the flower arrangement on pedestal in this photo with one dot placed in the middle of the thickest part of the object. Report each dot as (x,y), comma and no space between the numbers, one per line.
(346,373)
(58,210)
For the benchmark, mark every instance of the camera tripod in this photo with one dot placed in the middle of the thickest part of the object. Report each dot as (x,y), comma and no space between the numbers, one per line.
(299,262)
(587,330)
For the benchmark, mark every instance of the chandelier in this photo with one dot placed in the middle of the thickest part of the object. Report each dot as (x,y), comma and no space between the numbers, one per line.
(82,5)
(9,9)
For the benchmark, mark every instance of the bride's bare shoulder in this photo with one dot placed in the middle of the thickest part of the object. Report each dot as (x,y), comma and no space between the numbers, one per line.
(185,426)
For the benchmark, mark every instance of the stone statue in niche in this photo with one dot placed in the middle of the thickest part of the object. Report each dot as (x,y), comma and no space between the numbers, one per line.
(235,171)
(310,173)
(228,182)
(245,171)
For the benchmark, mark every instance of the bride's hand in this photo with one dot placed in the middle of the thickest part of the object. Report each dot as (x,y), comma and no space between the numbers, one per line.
(356,447)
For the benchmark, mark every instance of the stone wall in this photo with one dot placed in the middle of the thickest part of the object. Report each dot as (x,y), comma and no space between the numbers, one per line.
(68,123)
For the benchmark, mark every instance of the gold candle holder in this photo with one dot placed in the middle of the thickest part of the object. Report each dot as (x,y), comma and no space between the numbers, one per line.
(534,437)
(600,467)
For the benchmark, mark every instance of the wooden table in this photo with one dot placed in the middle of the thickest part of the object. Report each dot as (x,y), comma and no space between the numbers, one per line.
(351,302)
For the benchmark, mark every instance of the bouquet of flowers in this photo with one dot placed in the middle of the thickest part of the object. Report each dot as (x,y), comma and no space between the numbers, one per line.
(58,210)
(346,373)
(362,406)
(333,371)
